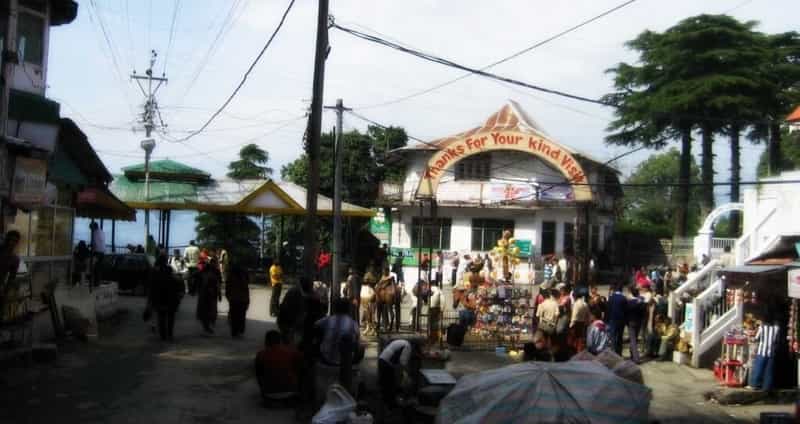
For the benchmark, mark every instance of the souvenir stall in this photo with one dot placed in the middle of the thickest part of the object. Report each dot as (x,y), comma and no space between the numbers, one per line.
(762,293)
(503,310)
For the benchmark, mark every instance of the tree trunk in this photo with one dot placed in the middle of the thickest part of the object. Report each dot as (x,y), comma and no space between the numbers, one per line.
(735,176)
(682,199)
(774,148)
(707,172)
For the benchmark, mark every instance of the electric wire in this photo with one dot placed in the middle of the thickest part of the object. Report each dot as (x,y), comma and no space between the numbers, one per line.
(501,61)
(244,77)
(211,49)
(111,51)
(171,33)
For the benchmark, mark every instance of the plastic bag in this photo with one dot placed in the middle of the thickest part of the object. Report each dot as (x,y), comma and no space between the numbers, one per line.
(337,408)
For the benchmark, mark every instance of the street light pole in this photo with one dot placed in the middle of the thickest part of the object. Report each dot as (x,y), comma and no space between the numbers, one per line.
(148,145)
(337,200)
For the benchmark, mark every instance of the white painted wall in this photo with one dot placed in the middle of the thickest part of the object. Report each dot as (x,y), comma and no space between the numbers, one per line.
(769,211)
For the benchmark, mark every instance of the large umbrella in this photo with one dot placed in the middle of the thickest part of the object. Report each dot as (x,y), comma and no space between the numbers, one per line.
(543,392)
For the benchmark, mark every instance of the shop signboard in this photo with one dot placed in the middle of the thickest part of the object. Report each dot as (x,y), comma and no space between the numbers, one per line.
(688,317)
(525,248)
(411,255)
(380,226)
(794,283)
(30,177)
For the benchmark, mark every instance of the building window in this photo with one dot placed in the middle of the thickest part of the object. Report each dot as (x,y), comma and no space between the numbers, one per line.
(548,238)
(595,238)
(486,232)
(474,168)
(569,238)
(434,235)
(30,38)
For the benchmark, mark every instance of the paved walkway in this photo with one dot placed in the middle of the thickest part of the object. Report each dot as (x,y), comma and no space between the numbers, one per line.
(129,376)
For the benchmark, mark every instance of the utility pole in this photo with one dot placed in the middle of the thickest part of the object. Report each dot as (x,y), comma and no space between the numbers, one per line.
(313,140)
(9,59)
(337,200)
(149,122)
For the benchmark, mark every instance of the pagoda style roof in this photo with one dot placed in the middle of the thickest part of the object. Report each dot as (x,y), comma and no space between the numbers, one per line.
(168,170)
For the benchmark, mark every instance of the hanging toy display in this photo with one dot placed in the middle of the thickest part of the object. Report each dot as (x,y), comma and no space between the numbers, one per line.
(505,313)
(506,253)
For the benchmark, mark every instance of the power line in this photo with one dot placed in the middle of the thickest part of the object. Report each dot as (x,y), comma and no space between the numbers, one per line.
(506,59)
(171,33)
(211,49)
(446,62)
(112,51)
(244,78)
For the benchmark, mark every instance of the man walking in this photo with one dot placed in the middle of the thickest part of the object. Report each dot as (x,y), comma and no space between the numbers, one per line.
(617,304)
(635,314)
(192,258)
(276,280)
(98,246)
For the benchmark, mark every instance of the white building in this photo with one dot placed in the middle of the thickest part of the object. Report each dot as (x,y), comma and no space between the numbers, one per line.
(504,174)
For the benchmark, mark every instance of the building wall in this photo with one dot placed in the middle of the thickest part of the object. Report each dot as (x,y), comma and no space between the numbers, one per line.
(770,210)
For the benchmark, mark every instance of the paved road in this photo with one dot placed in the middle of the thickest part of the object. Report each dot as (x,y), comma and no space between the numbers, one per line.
(129,376)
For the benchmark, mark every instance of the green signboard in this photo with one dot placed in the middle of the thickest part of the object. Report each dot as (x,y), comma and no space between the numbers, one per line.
(525,247)
(380,226)
(411,255)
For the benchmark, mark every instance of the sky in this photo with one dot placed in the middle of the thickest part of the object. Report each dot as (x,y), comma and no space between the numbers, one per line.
(214,42)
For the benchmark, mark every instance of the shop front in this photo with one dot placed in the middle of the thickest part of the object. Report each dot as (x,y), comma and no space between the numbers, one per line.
(505,175)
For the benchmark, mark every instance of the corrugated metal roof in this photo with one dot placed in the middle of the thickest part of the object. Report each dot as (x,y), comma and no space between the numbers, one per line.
(226,195)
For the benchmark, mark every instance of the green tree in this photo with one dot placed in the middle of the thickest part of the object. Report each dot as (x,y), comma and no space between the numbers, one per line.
(780,92)
(649,209)
(238,234)
(363,164)
(692,76)
(789,156)
(252,164)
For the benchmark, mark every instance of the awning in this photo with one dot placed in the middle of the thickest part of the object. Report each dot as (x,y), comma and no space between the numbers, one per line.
(62,12)
(63,170)
(99,203)
(23,106)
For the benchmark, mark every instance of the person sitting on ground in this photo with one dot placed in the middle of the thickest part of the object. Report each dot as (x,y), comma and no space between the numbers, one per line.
(669,340)
(277,366)
(337,331)
(396,358)
(597,337)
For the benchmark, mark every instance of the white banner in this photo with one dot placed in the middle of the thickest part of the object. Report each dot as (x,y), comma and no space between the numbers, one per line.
(794,283)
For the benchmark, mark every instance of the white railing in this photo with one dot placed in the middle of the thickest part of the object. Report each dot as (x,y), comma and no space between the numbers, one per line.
(719,243)
(697,281)
(712,318)
(748,245)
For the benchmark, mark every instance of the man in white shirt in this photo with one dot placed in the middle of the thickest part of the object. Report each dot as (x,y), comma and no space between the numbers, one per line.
(98,250)
(192,257)
(335,331)
(395,358)
(435,312)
